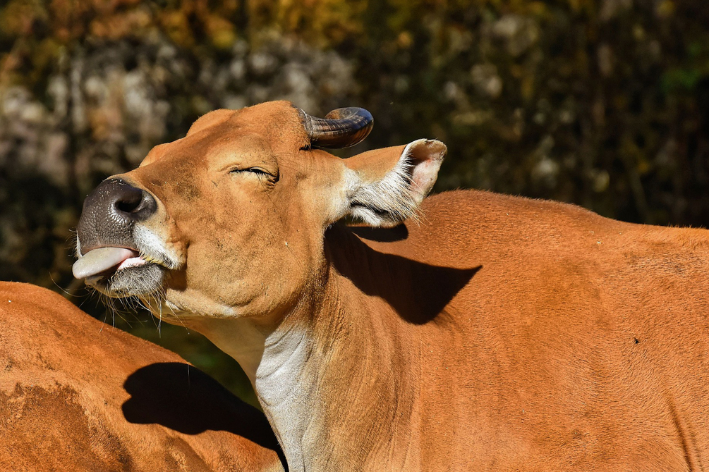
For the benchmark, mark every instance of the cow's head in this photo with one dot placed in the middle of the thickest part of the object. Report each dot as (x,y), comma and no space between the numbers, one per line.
(229,220)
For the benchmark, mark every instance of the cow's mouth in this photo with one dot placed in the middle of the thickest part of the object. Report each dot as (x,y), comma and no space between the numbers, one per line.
(120,272)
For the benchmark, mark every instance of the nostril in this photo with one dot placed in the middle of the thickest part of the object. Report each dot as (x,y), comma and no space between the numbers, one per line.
(135,204)
(129,203)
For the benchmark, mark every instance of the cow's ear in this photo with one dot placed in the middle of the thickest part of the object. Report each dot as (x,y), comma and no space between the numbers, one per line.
(384,187)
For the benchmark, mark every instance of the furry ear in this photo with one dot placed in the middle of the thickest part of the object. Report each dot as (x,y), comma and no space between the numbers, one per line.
(385,187)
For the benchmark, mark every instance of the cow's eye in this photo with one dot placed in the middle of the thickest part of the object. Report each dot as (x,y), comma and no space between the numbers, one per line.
(260,173)
(253,170)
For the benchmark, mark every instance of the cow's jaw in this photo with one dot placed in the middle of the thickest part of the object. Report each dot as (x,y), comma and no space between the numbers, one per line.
(137,271)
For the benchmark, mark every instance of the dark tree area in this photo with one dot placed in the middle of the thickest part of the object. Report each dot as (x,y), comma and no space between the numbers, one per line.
(603,103)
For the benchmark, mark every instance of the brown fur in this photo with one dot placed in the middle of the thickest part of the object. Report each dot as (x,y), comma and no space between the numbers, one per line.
(498,333)
(576,342)
(79,395)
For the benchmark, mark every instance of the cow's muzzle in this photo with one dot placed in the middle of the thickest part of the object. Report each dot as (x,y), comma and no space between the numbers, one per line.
(106,231)
(110,213)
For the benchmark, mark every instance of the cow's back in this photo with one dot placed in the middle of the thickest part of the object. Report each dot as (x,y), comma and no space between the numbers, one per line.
(76,394)
(571,342)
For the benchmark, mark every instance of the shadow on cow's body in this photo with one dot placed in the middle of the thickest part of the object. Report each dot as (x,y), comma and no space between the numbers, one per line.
(396,233)
(184,399)
(435,285)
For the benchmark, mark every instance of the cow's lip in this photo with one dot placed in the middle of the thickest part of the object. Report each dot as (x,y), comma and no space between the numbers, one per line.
(106,260)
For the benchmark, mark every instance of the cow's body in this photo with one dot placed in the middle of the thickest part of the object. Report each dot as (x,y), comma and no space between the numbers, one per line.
(76,394)
(576,343)
(499,333)
(495,333)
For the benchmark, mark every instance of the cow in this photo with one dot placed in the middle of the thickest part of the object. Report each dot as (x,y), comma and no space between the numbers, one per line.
(467,330)
(79,395)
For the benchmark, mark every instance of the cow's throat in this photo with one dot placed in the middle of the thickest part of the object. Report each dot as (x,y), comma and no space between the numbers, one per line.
(276,364)
(287,394)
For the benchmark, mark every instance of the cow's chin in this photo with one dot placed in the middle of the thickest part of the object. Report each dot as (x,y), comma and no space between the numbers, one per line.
(141,281)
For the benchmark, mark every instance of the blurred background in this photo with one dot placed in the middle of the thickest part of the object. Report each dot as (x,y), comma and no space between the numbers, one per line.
(602,103)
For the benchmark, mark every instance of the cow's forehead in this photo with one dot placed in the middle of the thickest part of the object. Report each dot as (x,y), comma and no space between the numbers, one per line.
(270,128)
(279,122)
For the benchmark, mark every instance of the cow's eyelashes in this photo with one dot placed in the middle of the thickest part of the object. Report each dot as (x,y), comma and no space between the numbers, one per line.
(255,170)
(260,173)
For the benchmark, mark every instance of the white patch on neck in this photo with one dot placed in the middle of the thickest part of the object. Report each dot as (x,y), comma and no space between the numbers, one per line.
(275,363)
(285,393)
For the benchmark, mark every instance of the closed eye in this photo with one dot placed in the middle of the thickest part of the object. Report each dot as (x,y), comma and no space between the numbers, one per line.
(259,172)
(254,170)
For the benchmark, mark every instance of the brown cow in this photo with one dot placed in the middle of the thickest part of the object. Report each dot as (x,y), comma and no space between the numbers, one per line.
(478,332)
(76,394)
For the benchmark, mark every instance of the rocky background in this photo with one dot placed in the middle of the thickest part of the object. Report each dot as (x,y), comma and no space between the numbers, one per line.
(602,103)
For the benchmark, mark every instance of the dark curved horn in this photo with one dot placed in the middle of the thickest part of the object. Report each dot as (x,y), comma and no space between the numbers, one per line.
(340,128)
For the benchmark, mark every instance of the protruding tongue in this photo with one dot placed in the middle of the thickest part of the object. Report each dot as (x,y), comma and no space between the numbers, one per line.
(99,260)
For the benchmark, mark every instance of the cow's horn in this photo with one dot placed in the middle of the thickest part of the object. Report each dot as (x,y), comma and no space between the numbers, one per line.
(340,128)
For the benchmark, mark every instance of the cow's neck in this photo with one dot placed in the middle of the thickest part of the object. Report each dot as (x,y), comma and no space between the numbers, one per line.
(328,376)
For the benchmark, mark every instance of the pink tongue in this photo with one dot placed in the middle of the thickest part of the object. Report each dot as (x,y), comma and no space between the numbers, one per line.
(99,260)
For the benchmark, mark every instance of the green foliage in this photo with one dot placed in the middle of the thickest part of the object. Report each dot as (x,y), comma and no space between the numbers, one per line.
(603,103)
